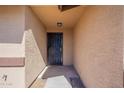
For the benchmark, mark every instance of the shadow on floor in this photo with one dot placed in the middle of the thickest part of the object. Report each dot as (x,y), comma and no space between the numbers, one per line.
(68,71)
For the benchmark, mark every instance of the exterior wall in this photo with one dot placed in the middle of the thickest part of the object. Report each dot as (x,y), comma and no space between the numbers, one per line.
(12,46)
(67,45)
(12,31)
(123,46)
(19,27)
(35,46)
(11,24)
(98,47)
(15,77)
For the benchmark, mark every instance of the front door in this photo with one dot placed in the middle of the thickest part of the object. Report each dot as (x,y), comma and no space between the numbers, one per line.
(54,48)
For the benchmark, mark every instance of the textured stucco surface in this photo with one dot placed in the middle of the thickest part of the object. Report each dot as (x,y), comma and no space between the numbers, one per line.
(98,47)
(123,46)
(12,47)
(15,77)
(67,44)
(22,37)
(12,36)
(11,24)
(35,46)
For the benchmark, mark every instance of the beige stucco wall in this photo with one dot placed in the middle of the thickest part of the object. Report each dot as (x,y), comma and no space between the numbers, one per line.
(123,45)
(15,77)
(67,44)
(35,46)
(11,24)
(98,46)
(12,47)
(12,31)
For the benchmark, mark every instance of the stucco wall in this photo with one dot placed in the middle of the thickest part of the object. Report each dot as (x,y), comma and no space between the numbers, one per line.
(12,48)
(35,46)
(15,77)
(67,44)
(98,46)
(11,32)
(11,24)
(123,45)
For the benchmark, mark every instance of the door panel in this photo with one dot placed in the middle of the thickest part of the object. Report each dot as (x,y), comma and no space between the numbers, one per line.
(54,48)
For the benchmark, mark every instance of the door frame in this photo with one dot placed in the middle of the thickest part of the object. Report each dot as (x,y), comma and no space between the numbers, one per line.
(62,47)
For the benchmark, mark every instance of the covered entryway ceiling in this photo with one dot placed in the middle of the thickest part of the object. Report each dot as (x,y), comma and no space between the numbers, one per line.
(50,15)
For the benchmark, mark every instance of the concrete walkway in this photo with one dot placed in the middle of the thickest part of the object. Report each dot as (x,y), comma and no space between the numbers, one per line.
(67,71)
(60,75)
(57,82)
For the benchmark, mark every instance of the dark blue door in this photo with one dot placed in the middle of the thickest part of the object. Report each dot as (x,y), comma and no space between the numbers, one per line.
(54,48)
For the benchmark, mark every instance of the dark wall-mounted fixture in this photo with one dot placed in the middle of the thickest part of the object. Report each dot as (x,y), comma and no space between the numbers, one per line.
(59,24)
(66,7)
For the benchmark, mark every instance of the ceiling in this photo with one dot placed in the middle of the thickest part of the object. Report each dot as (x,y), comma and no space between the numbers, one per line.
(50,15)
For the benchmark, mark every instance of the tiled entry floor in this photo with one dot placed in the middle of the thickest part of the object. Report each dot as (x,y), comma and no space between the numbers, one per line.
(56,71)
